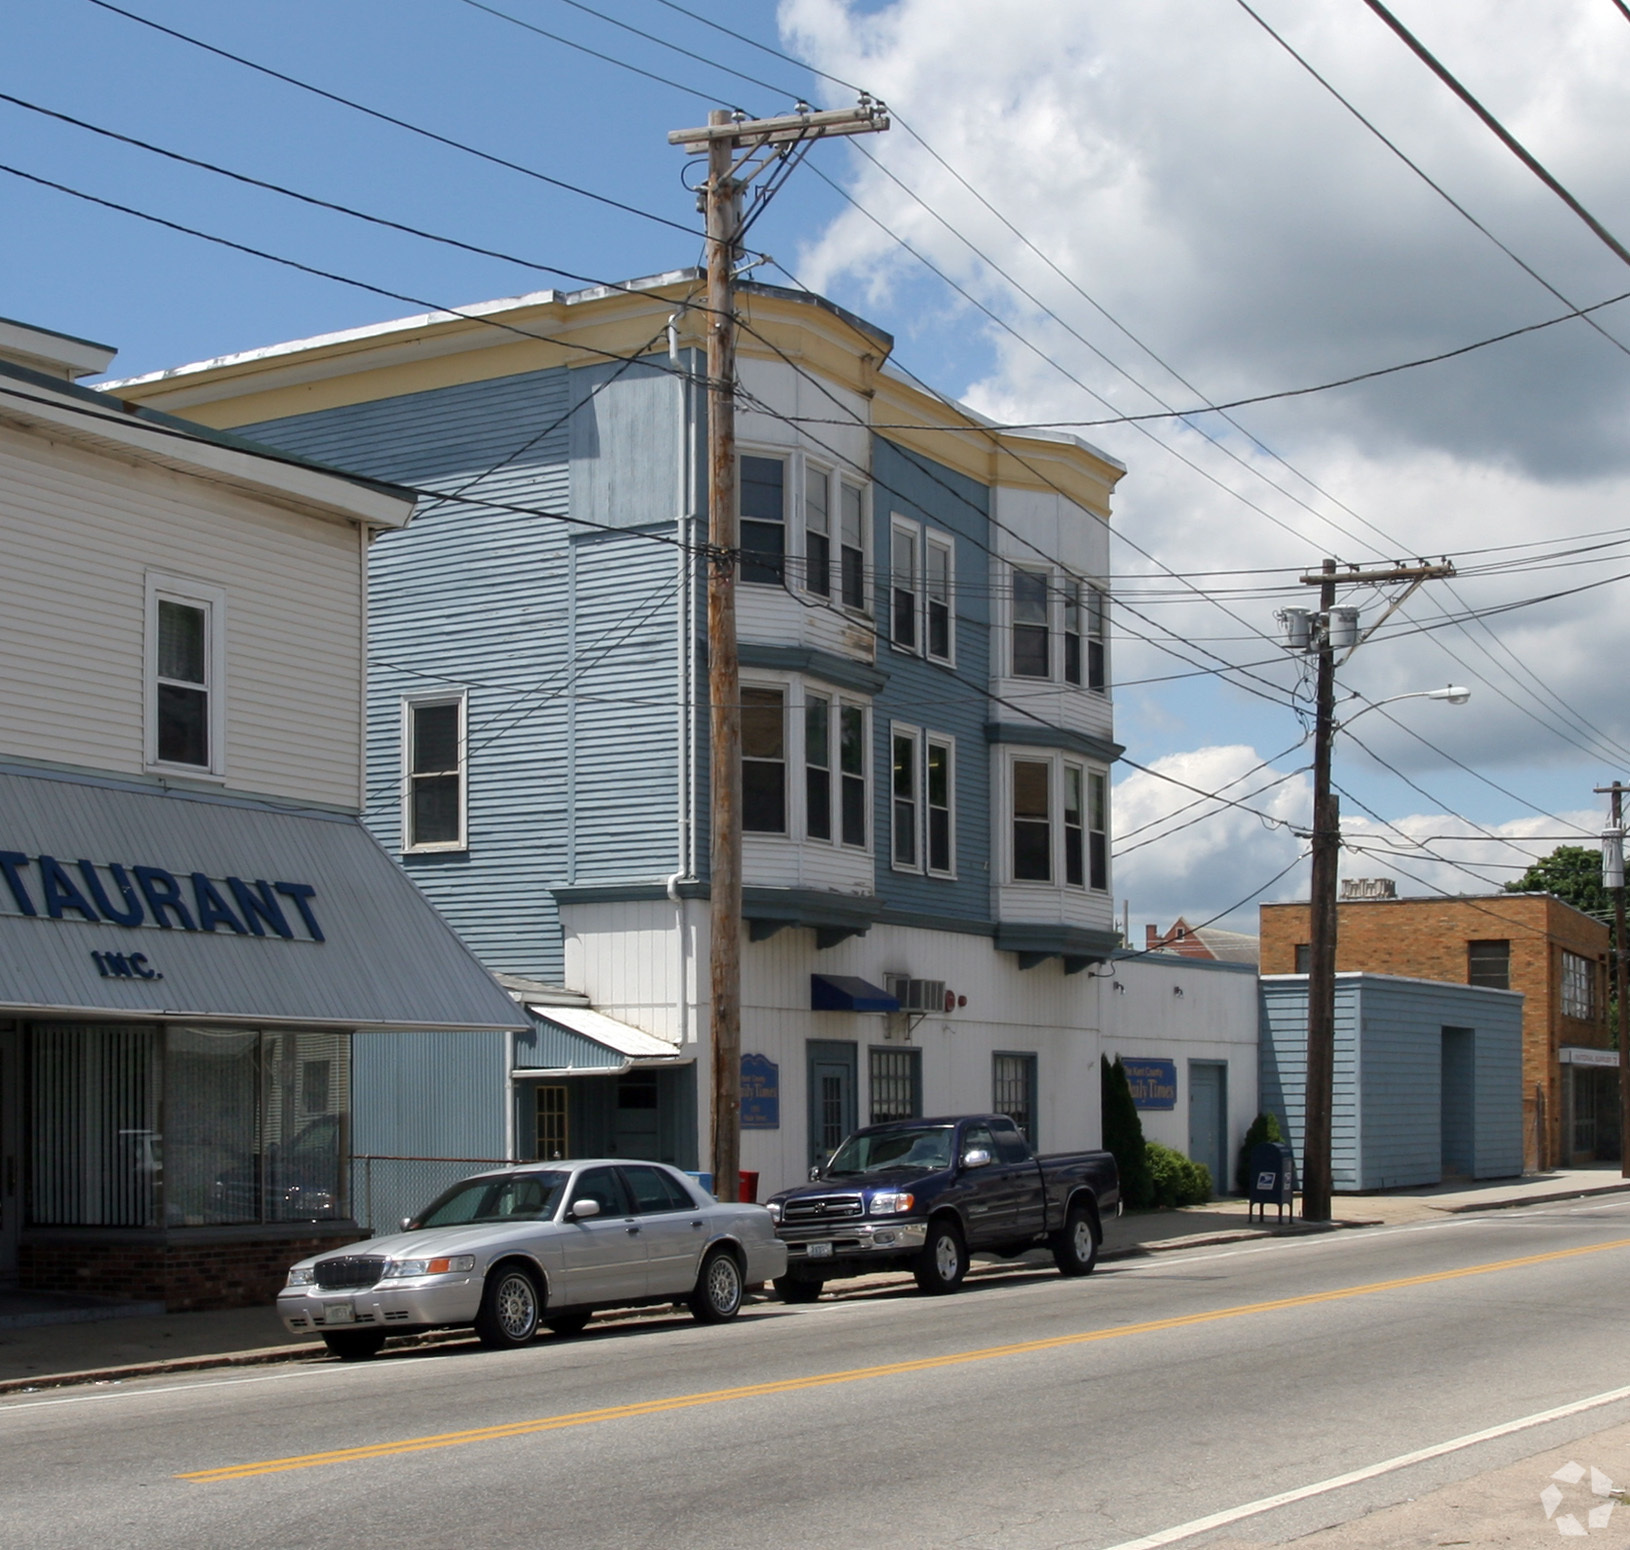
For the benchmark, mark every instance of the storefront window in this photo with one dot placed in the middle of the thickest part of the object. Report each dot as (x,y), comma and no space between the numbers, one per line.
(254,1126)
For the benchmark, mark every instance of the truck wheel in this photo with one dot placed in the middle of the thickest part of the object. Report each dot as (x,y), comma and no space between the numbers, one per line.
(943,1261)
(792,1289)
(510,1306)
(355,1345)
(718,1293)
(1075,1250)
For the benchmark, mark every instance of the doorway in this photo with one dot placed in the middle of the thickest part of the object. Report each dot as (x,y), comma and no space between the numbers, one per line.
(1208,1120)
(832,1084)
(1457,1105)
(11,1146)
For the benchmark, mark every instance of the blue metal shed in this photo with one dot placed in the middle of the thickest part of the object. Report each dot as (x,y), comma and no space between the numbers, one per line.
(1428,1078)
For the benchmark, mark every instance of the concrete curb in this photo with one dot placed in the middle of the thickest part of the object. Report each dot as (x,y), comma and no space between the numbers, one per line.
(1531,1200)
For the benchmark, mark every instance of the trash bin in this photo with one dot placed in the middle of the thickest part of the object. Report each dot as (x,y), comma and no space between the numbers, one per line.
(1272,1177)
(748,1187)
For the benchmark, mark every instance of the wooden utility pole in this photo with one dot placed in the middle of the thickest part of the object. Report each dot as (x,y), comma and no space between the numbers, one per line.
(1616,882)
(1319,1095)
(737,149)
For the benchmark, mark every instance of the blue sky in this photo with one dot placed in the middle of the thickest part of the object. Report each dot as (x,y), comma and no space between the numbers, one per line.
(1190,181)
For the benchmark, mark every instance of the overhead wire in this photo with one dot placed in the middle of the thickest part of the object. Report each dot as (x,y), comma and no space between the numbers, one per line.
(399,123)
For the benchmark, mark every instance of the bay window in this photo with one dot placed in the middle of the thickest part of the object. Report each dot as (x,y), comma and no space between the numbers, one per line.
(817,533)
(763,761)
(763,505)
(1032,821)
(1032,640)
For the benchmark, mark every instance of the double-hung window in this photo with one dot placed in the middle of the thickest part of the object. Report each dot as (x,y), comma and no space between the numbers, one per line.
(938,566)
(763,760)
(1032,820)
(763,499)
(1097,831)
(907,744)
(1075,869)
(1032,639)
(852,546)
(852,745)
(817,766)
(834,770)
(904,544)
(939,760)
(1096,602)
(817,532)
(434,784)
(185,626)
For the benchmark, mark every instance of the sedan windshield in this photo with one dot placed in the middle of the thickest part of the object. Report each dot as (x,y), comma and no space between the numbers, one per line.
(928,1147)
(516,1196)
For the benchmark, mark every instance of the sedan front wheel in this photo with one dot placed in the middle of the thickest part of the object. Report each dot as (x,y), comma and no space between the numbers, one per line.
(510,1306)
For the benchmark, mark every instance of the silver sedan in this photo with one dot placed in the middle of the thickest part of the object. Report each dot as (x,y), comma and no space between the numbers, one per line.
(538,1244)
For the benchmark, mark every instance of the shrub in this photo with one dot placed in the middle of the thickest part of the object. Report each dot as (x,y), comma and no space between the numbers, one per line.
(1123,1136)
(1175,1179)
(1265,1127)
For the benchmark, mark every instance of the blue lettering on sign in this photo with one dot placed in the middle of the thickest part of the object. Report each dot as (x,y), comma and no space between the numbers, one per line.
(152,896)
(760,1093)
(1153,1083)
(125,966)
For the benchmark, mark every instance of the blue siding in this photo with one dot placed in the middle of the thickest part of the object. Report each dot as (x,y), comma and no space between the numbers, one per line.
(921,694)
(1387,1130)
(566,648)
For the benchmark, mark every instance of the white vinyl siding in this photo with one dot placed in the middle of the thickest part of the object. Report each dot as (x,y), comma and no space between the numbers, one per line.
(81,533)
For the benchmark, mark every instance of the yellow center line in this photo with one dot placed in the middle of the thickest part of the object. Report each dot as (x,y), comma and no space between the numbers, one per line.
(860,1374)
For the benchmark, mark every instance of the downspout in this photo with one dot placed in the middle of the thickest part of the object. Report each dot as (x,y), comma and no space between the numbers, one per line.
(684,678)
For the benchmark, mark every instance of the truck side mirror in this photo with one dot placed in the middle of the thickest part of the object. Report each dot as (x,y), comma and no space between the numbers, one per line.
(976,1157)
(814,1172)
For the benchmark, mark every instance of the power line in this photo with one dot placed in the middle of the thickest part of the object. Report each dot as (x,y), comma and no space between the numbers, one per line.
(400,123)
(1501,133)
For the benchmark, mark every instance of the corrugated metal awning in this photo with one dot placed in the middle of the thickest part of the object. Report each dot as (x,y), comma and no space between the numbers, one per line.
(121,900)
(572,1040)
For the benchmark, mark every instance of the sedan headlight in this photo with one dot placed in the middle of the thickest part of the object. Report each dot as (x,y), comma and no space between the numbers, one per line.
(892,1202)
(774,1208)
(455,1264)
(302,1275)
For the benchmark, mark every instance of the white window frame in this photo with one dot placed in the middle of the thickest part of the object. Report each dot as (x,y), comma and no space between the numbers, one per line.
(162,588)
(815,474)
(791,507)
(796,692)
(935,541)
(792,747)
(867,592)
(898,732)
(428,700)
(1053,674)
(1056,761)
(932,740)
(912,533)
(840,704)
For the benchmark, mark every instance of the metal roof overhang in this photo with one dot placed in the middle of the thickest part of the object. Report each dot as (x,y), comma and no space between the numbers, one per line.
(848,993)
(575,1041)
(121,900)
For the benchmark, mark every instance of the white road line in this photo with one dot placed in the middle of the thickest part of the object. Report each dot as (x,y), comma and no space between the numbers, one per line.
(168,1388)
(1188,1530)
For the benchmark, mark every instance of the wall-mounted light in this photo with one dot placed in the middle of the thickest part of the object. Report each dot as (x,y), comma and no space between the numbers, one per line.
(1177,990)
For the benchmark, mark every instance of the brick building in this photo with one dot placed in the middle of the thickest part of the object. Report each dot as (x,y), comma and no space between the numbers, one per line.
(1203,942)
(1556,955)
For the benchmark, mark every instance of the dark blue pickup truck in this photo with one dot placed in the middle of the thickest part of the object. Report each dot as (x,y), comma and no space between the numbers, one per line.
(922,1194)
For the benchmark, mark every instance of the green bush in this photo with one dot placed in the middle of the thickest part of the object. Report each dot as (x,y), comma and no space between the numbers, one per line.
(1265,1127)
(1123,1136)
(1175,1180)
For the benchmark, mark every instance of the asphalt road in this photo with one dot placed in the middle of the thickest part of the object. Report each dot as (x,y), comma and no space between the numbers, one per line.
(1023,1412)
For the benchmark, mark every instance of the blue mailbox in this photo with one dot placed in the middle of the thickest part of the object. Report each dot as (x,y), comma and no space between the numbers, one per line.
(1271,1178)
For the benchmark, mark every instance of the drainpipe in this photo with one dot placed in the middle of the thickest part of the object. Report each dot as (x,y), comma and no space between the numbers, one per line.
(684,717)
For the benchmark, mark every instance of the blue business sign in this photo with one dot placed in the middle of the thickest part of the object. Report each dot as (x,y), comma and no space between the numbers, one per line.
(1153,1082)
(760,1093)
(114,895)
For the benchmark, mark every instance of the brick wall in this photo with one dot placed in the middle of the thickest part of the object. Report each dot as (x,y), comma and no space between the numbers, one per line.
(1427,939)
(184,1276)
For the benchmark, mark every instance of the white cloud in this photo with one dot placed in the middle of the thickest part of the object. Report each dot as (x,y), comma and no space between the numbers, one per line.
(1195,182)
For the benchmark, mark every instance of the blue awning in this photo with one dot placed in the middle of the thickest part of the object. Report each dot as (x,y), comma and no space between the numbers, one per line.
(848,993)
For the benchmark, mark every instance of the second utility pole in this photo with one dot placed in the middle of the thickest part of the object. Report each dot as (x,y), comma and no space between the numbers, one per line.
(1616,978)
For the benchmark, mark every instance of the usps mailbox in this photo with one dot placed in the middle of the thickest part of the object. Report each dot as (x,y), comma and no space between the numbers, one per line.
(1272,1178)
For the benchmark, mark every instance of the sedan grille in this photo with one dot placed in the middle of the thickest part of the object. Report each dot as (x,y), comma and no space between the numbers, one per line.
(350,1270)
(823,1208)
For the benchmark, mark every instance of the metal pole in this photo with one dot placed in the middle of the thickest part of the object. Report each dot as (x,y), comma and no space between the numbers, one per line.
(1321,978)
(724,679)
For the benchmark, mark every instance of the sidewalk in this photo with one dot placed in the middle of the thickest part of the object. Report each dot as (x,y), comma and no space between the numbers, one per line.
(48,1342)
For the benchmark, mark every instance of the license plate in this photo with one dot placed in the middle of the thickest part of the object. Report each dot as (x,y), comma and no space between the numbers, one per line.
(340,1313)
(819,1251)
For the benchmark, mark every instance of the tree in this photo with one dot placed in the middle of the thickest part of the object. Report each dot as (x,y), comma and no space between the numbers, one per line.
(1123,1136)
(1574,874)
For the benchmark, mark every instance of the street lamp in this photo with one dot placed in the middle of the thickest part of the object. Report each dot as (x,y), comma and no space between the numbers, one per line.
(1454,694)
